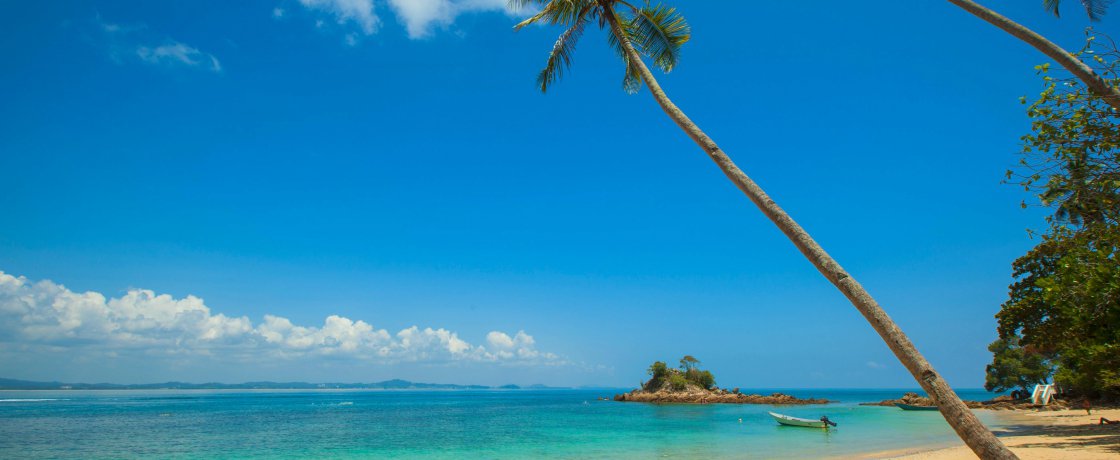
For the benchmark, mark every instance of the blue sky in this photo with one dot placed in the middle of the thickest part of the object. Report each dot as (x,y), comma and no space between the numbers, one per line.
(282,190)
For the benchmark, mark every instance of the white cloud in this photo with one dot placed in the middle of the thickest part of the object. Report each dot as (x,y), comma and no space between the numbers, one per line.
(418,16)
(50,316)
(520,346)
(499,340)
(875,365)
(135,42)
(176,53)
(359,12)
(277,12)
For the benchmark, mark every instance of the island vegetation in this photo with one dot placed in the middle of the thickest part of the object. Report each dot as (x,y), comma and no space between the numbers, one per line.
(690,384)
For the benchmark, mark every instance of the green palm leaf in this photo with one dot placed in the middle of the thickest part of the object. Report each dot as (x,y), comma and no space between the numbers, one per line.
(560,59)
(654,31)
(555,12)
(1094,8)
(659,32)
(632,79)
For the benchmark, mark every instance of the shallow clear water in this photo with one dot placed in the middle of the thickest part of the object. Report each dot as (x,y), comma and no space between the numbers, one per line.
(445,424)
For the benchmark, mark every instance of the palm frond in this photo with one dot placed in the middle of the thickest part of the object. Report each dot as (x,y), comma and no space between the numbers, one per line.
(555,12)
(560,59)
(659,32)
(632,80)
(1094,8)
(1052,7)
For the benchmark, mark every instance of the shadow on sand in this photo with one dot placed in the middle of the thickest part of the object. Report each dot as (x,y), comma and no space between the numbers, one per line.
(1106,437)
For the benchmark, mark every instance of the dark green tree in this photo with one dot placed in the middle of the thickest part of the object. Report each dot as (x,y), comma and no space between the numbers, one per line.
(1015,367)
(1066,303)
(703,378)
(658,371)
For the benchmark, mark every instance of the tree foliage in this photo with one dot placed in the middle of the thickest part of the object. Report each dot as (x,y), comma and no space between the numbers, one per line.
(1067,304)
(688,363)
(1071,159)
(658,370)
(1065,300)
(1093,8)
(703,378)
(1015,367)
(656,30)
(679,379)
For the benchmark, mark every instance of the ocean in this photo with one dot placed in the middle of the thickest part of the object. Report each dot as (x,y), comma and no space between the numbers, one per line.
(453,424)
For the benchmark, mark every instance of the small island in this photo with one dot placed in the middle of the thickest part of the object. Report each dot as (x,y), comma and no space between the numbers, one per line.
(690,384)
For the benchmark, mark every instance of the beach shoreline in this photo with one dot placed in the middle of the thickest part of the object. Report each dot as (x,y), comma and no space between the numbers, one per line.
(1062,434)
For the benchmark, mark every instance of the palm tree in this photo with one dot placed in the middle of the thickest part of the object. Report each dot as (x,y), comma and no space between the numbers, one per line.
(658,32)
(1079,69)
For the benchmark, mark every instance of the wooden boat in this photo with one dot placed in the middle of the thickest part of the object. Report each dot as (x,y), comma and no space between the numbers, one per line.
(805,422)
(913,407)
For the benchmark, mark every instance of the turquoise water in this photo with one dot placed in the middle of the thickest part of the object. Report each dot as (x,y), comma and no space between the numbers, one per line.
(444,424)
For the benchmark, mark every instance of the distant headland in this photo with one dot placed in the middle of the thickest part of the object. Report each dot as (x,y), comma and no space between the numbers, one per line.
(395,384)
(1005,402)
(690,384)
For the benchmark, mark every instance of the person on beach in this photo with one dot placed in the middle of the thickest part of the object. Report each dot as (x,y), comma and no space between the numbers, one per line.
(1088,407)
(1105,421)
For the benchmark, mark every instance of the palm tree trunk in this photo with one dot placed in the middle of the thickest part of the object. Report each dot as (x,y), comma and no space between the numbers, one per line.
(1074,65)
(967,426)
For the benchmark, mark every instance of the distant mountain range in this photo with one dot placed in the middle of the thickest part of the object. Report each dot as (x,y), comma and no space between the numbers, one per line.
(395,384)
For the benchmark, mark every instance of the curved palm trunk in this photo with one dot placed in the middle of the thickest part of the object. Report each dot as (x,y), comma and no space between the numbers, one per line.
(967,426)
(1074,65)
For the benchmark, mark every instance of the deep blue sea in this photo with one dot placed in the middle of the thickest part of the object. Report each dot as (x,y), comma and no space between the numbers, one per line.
(499,424)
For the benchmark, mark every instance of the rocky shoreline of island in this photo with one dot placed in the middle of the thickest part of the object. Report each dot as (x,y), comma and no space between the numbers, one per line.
(997,403)
(691,385)
(713,396)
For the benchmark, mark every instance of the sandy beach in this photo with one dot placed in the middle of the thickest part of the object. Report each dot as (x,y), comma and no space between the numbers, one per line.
(1064,434)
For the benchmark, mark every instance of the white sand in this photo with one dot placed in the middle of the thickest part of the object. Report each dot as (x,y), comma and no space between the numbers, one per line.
(1059,435)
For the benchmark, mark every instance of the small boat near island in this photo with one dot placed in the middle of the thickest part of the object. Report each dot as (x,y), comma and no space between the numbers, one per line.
(913,407)
(824,422)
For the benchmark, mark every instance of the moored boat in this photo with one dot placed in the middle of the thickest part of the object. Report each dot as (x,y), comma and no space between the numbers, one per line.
(913,407)
(824,422)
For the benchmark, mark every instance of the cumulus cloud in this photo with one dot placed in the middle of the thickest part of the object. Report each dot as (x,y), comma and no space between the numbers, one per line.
(419,17)
(520,346)
(49,315)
